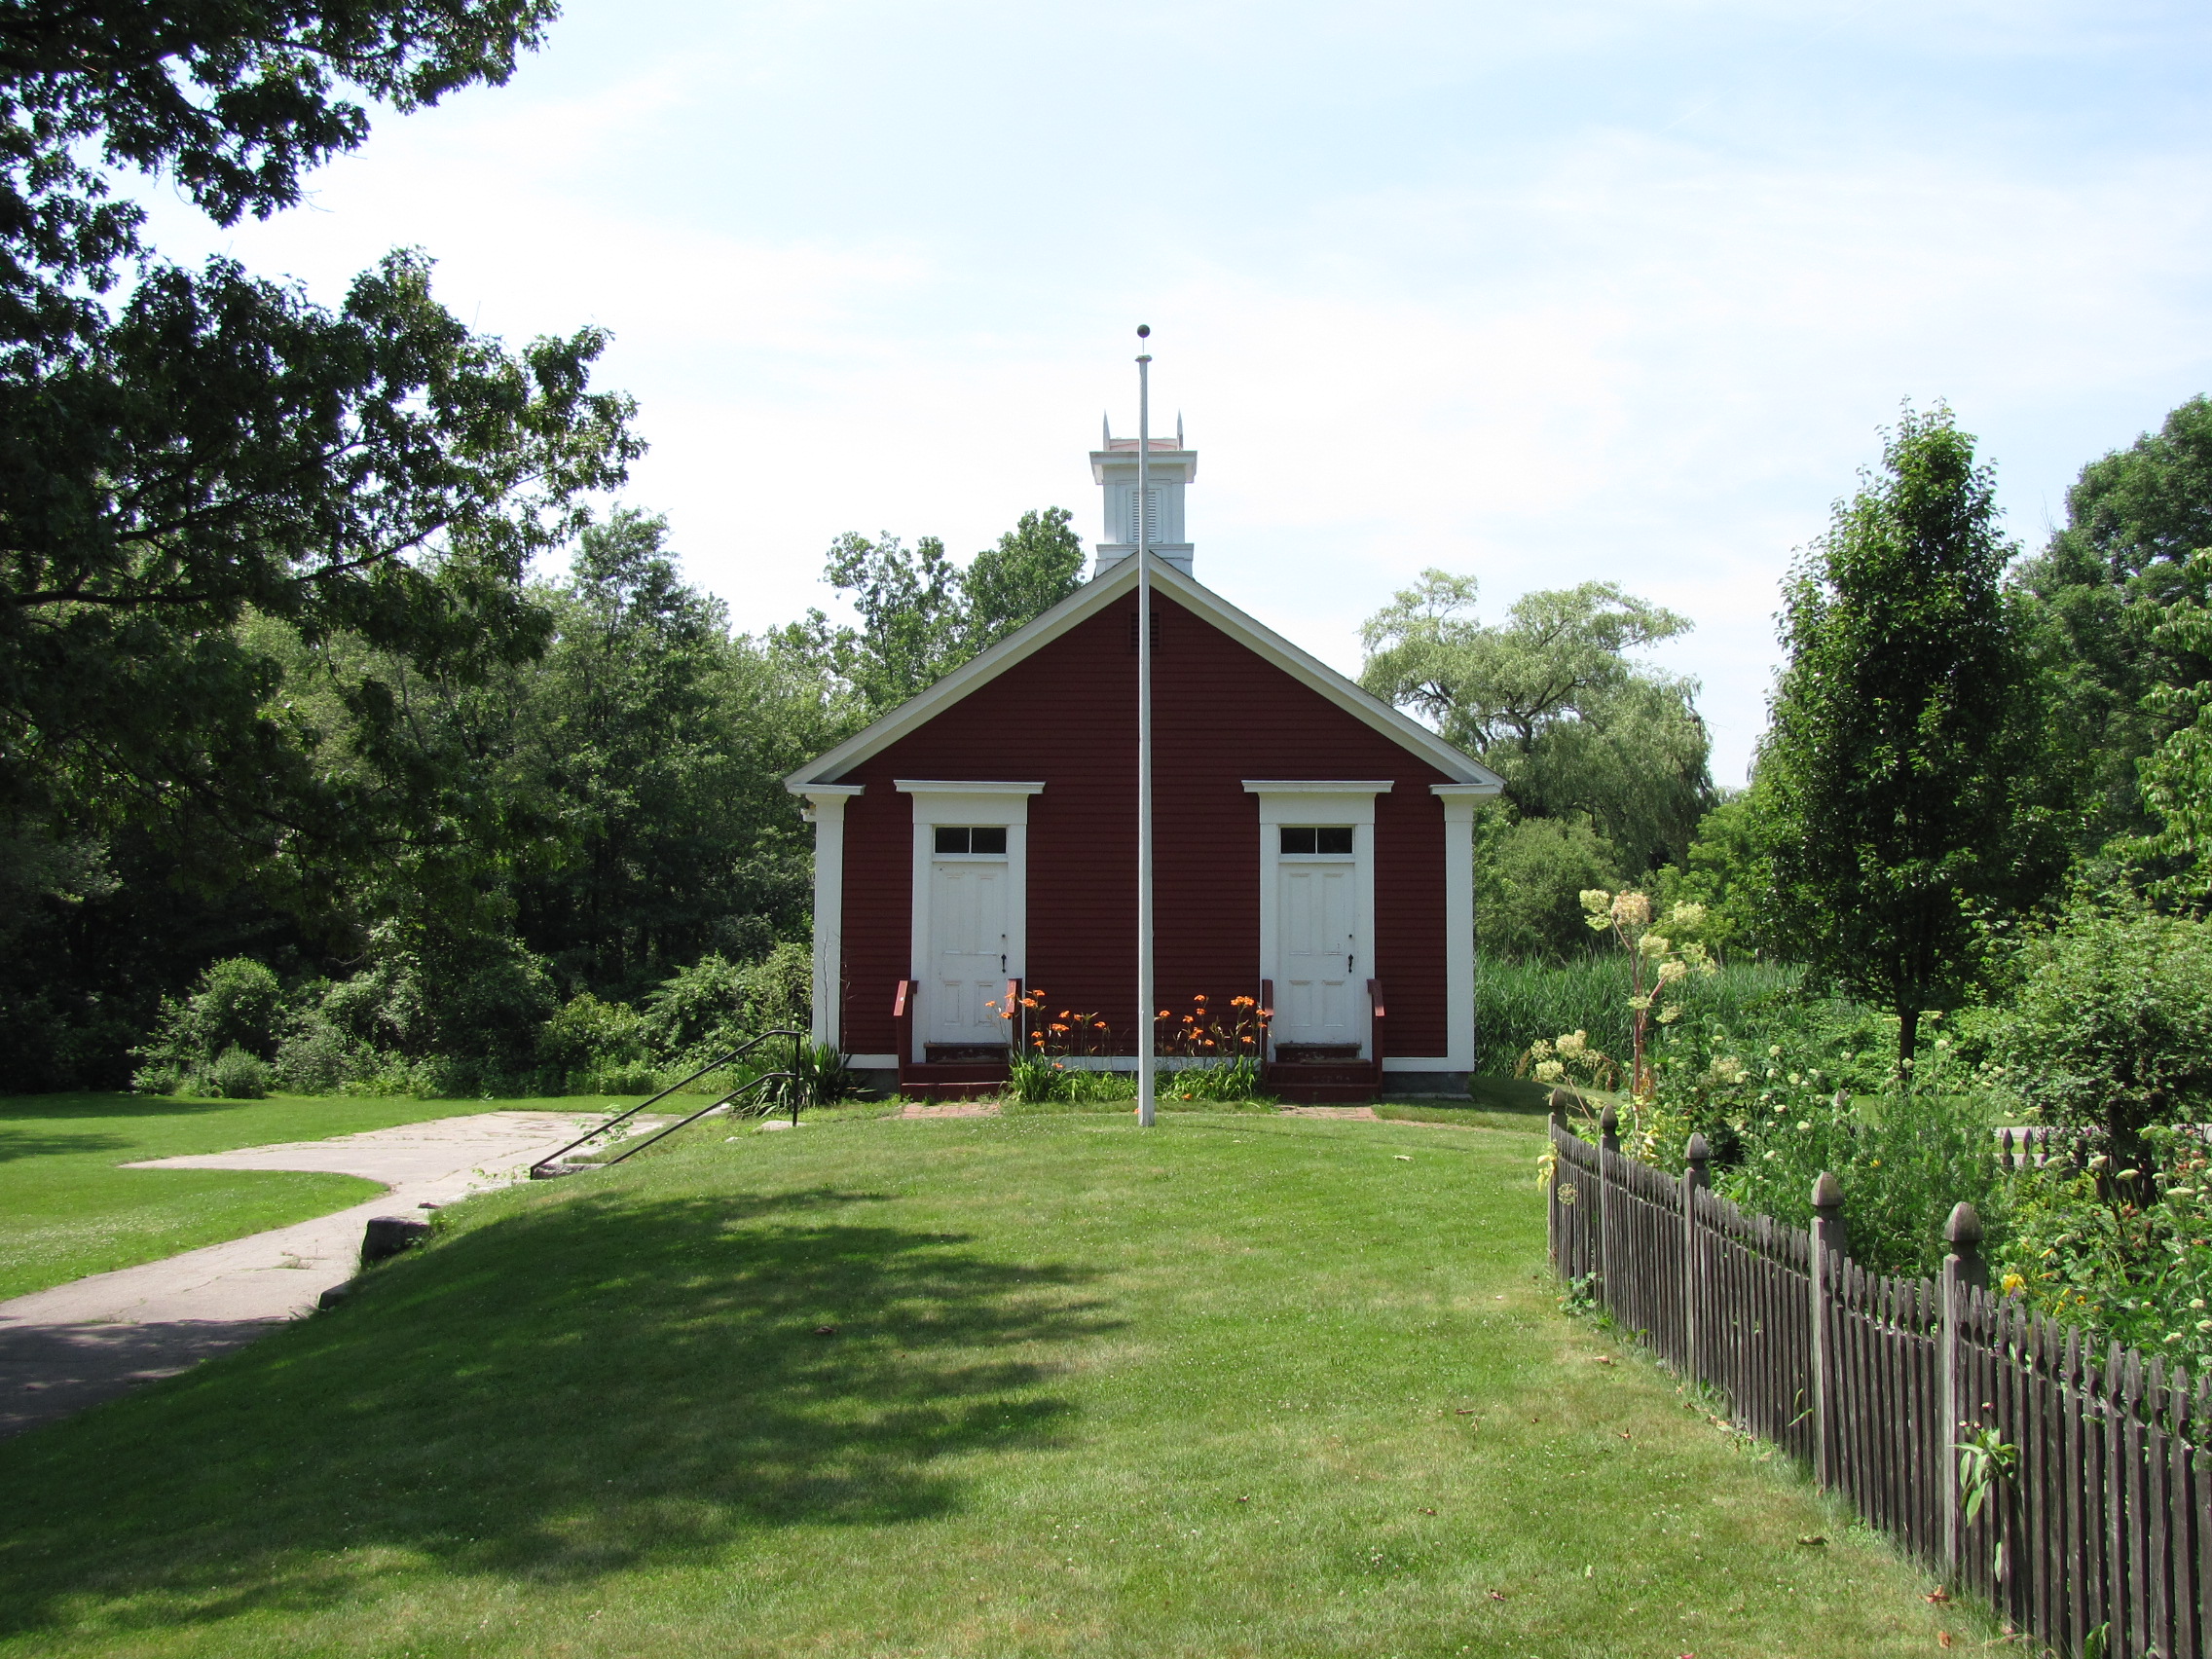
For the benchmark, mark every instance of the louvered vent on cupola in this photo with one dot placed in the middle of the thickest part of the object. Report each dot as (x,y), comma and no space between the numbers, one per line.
(1171,466)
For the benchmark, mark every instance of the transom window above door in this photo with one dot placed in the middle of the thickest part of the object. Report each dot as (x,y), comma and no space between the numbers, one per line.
(1332,839)
(985,840)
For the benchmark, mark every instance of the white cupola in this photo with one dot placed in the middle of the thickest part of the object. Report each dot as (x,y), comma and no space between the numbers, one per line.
(1167,469)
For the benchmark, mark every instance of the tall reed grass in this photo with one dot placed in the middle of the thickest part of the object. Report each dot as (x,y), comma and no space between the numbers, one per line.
(1516,1003)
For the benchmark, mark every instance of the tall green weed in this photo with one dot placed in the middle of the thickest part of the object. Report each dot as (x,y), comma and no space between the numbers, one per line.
(1518,1004)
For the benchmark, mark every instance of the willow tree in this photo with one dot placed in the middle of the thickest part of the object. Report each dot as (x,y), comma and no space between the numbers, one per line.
(1896,782)
(1554,703)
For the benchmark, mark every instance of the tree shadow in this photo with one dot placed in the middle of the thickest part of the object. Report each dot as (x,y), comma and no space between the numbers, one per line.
(73,1106)
(17,1143)
(580,1388)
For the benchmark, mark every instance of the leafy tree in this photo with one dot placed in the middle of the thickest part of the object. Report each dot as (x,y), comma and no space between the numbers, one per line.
(2176,776)
(1726,871)
(1552,702)
(204,476)
(2110,1027)
(206,448)
(1897,778)
(909,606)
(921,615)
(1530,876)
(1035,565)
(2103,585)
(630,745)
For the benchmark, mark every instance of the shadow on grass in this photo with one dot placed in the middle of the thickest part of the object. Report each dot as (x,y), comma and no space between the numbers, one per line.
(1492,1103)
(47,1143)
(585,1387)
(73,1106)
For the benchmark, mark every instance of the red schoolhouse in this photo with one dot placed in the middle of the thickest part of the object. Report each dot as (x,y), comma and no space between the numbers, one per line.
(1313,845)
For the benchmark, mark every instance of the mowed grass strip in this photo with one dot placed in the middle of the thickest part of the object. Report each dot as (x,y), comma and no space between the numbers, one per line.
(1240,1386)
(67,1210)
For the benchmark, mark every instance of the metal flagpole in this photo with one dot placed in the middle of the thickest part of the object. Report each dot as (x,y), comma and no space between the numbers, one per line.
(1145,1008)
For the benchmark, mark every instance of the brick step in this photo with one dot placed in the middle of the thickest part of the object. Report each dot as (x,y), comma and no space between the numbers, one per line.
(1318,1082)
(1326,1093)
(946,1079)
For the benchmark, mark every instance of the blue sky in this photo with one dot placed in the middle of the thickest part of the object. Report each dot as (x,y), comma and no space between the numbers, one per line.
(1544,293)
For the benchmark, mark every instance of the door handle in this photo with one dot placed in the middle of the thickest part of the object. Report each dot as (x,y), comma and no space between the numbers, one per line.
(1347,962)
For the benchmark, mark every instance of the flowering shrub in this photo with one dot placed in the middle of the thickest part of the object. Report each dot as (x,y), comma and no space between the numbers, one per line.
(1573,1064)
(2125,1253)
(1038,1073)
(1231,1047)
(1227,1047)
(1657,965)
(1903,1163)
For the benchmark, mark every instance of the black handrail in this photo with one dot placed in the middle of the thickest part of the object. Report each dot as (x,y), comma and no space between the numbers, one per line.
(729,1099)
(738,1052)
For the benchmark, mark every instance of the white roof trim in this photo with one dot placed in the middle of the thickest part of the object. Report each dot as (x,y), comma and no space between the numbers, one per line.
(1327,786)
(1094,596)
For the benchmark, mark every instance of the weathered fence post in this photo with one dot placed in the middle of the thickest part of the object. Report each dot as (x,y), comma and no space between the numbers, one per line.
(1609,1149)
(1555,1127)
(1963,1274)
(1826,1260)
(1697,1176)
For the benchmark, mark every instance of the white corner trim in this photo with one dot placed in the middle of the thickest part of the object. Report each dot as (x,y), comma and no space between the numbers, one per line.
(1094,596)
(1458,801)
(1319,785)
(826,806)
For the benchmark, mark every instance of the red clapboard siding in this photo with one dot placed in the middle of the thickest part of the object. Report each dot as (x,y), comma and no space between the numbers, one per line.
(1066,716)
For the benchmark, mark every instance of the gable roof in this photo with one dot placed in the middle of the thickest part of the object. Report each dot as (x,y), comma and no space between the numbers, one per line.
(1087,601)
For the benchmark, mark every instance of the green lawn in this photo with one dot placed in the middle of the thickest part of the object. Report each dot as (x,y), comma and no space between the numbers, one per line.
(1493,1103)
(67,1210)
(1050,1385)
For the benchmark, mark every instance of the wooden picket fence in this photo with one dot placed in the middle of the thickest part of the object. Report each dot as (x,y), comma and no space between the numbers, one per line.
(2095,1532)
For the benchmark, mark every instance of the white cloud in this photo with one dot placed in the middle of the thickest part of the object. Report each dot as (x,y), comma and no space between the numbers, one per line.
(1550,294)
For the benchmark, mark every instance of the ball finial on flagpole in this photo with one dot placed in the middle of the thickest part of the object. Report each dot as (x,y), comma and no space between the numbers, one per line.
(1143,331)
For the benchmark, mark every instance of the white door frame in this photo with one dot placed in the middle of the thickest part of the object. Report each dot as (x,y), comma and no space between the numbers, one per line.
(949,802)
(1318,800)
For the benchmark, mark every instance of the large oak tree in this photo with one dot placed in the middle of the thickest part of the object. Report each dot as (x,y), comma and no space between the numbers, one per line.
(191,459)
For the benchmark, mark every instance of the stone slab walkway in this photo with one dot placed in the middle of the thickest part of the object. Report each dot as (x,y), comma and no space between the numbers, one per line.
(64,1349)
(956,1109)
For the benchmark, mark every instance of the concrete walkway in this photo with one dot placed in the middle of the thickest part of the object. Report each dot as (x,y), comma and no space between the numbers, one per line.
(64,1349)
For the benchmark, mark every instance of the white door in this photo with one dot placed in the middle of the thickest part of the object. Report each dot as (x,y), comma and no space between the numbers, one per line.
(967,951)
(1318,922)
